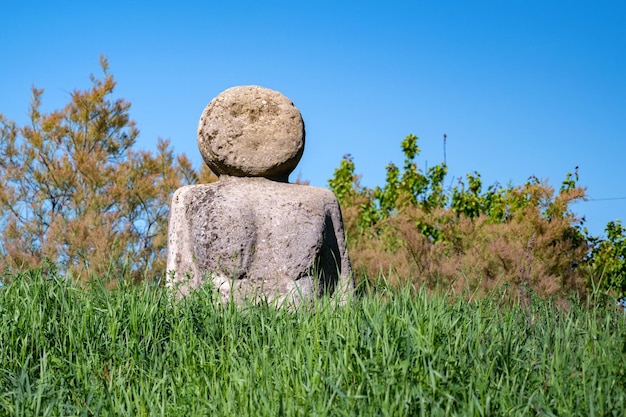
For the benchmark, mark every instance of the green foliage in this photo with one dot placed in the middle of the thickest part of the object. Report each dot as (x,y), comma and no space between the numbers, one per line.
(343,179)
(402,188)
(609,259)
(411,186)
(413,183)
(345,185)
(470,202)
(388,196)
(134,351)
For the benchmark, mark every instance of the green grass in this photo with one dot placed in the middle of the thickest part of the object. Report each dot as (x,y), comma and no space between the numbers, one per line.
(134,351)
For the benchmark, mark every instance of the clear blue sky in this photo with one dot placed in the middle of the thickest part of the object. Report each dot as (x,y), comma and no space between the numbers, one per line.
(520,88)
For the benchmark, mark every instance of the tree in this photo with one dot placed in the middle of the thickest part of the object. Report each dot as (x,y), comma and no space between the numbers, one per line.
(74,191)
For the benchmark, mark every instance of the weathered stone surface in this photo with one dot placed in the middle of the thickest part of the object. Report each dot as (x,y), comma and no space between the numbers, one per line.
(251,131)
(251,233)
(257,237)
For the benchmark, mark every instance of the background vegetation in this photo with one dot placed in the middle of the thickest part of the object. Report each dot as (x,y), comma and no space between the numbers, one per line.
(74,191)
(524,238)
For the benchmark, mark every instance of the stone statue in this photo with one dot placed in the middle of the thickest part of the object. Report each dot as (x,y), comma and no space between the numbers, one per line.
(252,233)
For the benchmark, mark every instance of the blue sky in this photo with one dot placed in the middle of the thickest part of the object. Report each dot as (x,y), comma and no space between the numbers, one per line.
(520,88)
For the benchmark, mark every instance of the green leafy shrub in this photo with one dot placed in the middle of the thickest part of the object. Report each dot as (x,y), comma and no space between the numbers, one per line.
(525,237)
(608,260)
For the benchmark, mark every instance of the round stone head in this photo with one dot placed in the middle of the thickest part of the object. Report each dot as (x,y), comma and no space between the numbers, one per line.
(251,131)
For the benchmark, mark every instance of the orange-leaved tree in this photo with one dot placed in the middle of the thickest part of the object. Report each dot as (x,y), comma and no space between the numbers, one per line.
(74,191)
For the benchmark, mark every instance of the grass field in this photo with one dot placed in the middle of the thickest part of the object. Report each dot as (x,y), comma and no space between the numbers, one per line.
(133,351)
